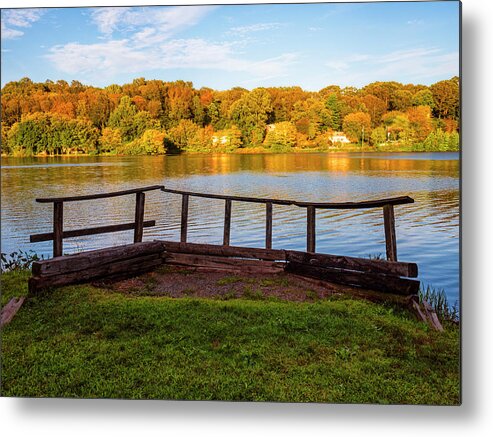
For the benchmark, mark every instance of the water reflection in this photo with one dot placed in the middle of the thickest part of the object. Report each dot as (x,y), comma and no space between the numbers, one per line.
(427,231)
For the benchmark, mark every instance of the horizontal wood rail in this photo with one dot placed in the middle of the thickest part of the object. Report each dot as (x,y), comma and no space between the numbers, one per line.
(387,204)
(99,195)
(90,231)
(59,234)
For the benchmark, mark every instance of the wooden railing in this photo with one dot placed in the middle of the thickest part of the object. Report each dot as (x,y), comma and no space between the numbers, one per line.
(59,234)
(311,207)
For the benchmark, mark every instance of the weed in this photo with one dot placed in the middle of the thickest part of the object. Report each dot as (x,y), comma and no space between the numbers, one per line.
(249,293)
(227,280)
(439,302)
(376,256)
(18,260)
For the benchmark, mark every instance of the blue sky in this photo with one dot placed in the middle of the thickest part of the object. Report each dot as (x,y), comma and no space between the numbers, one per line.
(310,45)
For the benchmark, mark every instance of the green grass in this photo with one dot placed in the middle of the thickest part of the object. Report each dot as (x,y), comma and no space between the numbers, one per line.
(85,342)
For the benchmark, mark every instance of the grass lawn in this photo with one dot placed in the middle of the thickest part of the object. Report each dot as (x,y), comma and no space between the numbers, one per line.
(88,342)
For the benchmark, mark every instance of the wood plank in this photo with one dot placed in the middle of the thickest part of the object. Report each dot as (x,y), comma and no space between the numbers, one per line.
(98,196)
(90,231)
(94,258)
(344,205)
(225,197)
(10,310)
(139,217)
(372,281)
(123,268)
(389,226)
(245,265)
(425,313)
(232,251)
(184,218)
(377,203)
(58,229)
(227,222)
(352,263)
(310,229)
(268,225)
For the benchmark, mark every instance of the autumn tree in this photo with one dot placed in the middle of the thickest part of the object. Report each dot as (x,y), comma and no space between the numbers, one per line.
(356,124)
(281,136)
(420,121)
(446,98)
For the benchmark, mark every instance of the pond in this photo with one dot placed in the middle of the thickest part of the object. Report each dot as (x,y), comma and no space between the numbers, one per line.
(427,230)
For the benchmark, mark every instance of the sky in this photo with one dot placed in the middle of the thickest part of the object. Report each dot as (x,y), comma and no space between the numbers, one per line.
(223,46)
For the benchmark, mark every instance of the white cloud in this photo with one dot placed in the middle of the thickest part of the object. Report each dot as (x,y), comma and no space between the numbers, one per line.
(125,56)
(415,22)
(108,19)
(149,42)
(413,65)
(15,18)
(258,27)
(166,21)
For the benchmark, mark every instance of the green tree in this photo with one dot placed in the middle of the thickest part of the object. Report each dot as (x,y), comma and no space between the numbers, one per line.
(250,113)
(378,136)
(424,98)
(334,106)
(123,118)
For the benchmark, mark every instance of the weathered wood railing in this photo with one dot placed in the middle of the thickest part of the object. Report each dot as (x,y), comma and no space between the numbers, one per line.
(311,207)
(389,276)
(59,234)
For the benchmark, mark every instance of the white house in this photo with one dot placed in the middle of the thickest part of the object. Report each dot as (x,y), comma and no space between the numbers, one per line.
(339,137)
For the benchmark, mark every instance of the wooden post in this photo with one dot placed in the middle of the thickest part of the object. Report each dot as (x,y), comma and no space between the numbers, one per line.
(57,229)
(268,225)
(227,222)
(310,229)
(184,218)
(139,217)
(389,226)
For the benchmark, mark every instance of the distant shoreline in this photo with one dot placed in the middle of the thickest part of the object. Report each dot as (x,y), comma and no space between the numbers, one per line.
(248,151)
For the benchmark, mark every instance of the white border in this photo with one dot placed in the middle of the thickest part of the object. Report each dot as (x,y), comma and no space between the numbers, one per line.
(136,418)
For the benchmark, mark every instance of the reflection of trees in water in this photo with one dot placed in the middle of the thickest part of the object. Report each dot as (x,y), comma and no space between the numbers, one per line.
(251,175)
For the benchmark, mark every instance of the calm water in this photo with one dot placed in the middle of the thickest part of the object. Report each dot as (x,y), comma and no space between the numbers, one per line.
(427,231)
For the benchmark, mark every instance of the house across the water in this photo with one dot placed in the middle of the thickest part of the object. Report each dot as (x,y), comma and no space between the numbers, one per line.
(339,137)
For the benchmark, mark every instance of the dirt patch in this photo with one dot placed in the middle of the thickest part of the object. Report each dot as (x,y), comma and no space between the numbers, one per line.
(173,281)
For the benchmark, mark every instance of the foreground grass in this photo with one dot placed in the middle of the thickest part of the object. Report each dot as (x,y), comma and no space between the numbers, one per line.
(85,342)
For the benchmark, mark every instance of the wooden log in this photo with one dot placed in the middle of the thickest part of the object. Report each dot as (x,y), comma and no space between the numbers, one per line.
(10,310)
(90,231)
(389,226)
(245,265)
(98,196)
(366,204)
(94,258)
(426,313)
(310,229)
(226,197)
(139,217)
(57,229)
(184,218)
(116,269)
(227,222)
(372,281)
(231,251)
(353,263)
(268,225)
(378,203)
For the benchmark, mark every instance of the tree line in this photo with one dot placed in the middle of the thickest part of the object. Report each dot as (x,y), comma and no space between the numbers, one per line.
(157,117)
